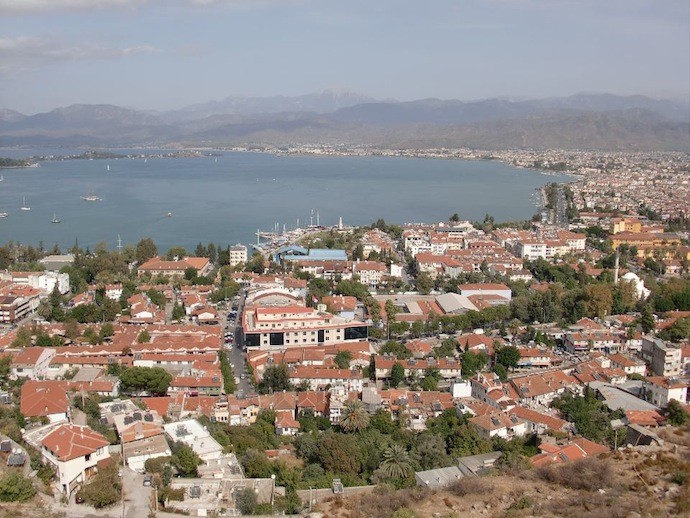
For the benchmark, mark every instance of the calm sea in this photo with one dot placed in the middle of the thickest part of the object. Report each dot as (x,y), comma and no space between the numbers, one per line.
(226,199)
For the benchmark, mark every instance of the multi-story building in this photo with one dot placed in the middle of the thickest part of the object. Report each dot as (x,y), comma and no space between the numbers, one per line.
(75,452)
(663,359)
(297,326)
(238,254)
(176,268)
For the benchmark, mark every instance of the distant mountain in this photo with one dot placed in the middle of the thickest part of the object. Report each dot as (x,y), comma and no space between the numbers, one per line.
(324,102)
(94,123)
(10,116)
(435,111)
(583,121)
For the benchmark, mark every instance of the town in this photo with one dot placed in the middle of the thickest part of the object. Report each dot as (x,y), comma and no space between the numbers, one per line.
(347,362)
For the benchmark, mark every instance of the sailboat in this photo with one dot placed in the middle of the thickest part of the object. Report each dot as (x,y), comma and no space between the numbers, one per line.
(55,219)
(90,197)
(1,178)
(24,205)
(107,167)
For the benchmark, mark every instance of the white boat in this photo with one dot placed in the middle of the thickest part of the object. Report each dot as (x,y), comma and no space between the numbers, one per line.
(90,197)
(1,178)
(107,167)
(24,205)
(3,214)
(170,214)
(55,219)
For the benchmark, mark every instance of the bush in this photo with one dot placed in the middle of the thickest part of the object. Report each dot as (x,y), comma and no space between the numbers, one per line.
(15,488)
(156,465)
(245,500)
(470,486)
(524,502)
(588,474)
(104,489)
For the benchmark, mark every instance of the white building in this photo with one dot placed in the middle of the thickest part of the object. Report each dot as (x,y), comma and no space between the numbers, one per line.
(238,254)
(659,390)
(75,452)
(196,436)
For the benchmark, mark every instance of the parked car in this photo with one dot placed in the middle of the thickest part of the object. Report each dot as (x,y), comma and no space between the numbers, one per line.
(148,479)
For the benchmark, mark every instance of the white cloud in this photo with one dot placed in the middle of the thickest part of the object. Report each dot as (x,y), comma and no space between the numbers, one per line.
(25,53)
(63,5)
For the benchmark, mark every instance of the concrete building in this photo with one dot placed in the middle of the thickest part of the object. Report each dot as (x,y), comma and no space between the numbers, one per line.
(238,254)
(297,326)
(75,452)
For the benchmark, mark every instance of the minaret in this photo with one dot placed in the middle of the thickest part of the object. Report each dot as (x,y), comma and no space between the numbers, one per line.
(340,223)
(615,269)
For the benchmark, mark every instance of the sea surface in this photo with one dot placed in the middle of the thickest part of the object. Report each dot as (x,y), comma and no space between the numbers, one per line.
(226,199)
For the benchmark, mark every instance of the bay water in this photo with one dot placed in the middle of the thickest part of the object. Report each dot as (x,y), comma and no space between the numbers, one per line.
(225,199)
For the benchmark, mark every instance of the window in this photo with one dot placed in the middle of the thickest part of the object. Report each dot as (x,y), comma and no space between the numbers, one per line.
(87,457)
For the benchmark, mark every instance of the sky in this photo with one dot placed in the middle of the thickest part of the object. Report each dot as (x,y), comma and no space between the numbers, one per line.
(167,54)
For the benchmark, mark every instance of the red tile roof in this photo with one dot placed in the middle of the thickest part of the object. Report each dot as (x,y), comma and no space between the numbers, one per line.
(70,441)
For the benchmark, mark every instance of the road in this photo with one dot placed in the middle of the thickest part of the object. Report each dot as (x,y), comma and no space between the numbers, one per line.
(234,351)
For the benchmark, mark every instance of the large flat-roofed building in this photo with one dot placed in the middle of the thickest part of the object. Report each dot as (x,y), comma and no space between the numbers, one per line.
(298,253)
(297,326)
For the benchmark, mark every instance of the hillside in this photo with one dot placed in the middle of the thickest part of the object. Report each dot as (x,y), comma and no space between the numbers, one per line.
(634,482)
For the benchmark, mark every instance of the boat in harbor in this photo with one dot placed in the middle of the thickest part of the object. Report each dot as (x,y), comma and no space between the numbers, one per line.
(55,218)
(24,205)
(3,214)
(91,197)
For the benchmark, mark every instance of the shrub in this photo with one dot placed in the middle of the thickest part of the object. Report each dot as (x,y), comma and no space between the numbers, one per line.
(104,489)
(589,474)
(524,502)
(470,486)
(15,488)
(156,465)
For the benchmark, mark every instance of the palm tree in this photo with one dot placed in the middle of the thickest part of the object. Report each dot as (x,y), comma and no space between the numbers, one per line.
(396,462)
(354,416)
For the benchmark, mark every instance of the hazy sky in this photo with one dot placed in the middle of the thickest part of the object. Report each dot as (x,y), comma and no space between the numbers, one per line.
(164,54)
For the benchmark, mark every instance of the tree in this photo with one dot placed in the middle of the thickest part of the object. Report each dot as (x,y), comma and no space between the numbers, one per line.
(177,311)
(190,273)
(397,374)
(103,489)
(598,300)
(677,416)
(508,356)
(22,338)
(15,488)
(354,416)
(342,359)
(143,337)
(150,379)
(175,252)
(146,249)
(429,451)
(472,363)
(276,379)
(396,462)
(185,460)
(647,319)
(245,500)
(424,283)
(107,330)
(339,453)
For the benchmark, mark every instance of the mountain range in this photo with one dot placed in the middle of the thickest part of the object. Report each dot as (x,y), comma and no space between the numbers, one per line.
(582,121)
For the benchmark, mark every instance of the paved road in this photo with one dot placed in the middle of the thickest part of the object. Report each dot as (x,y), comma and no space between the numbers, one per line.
(234,351)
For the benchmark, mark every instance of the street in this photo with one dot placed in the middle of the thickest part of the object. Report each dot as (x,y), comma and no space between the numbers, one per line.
(234,351)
